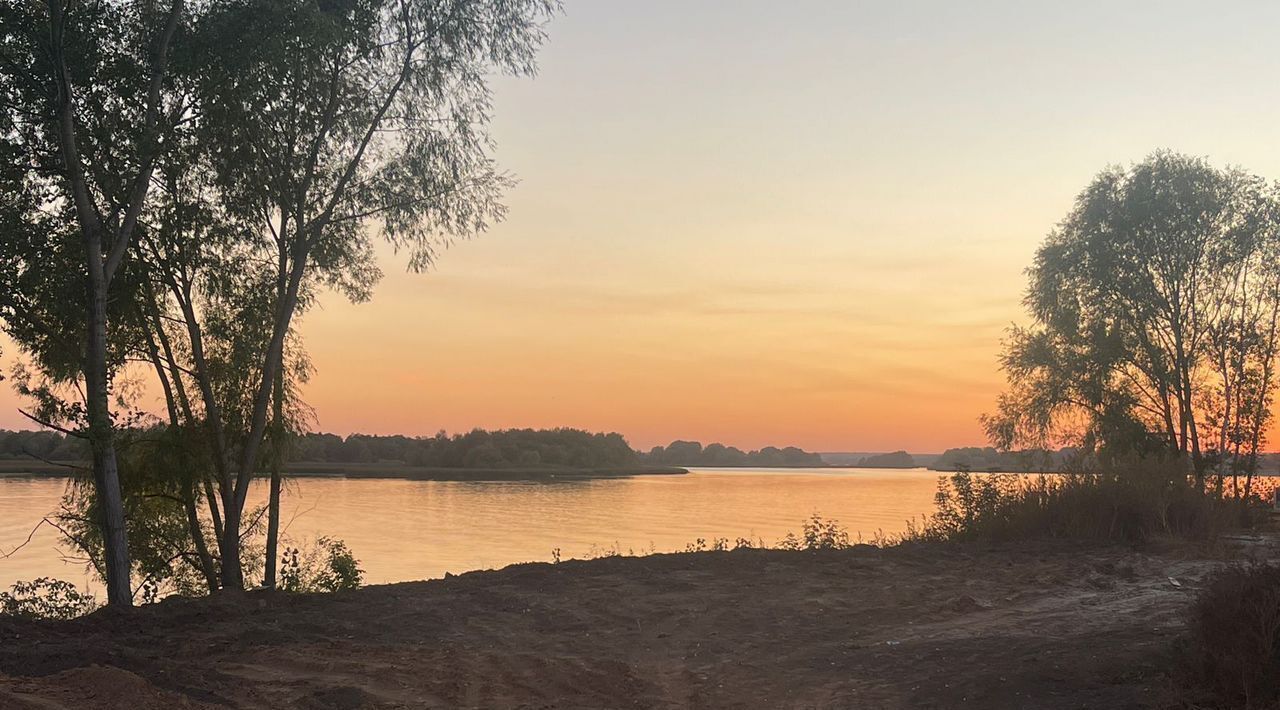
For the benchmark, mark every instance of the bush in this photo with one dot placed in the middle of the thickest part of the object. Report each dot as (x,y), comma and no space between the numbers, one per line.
(1136,503)
(46,598)
(328,566)
(1234,651)
(817,534)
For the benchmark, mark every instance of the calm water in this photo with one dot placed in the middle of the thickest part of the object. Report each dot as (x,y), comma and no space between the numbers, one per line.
(405,530)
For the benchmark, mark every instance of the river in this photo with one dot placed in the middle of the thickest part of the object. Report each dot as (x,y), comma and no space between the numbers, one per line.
(405,530)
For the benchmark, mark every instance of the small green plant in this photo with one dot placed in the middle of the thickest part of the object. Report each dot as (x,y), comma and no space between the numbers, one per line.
(717,544)
(790,542)
(820,534)
(817,533)
(46,598)
(699,545)
(597,552)
(327,566)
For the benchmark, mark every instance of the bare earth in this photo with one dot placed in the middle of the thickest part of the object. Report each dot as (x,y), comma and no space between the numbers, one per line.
(909,627)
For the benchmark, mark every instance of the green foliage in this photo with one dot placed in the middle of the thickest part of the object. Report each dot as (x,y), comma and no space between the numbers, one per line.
(817,533)
(160,469)
(265,145)
(965,504)
(326,566)
(46,598)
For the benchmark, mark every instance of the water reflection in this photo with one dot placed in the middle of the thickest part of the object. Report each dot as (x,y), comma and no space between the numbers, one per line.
(403,530)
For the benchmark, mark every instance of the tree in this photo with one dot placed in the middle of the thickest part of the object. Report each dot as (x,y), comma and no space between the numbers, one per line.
(1154,287)
(89,102)
(317,123)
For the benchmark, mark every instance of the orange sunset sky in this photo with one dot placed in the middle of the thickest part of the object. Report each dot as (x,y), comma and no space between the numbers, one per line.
(782,223)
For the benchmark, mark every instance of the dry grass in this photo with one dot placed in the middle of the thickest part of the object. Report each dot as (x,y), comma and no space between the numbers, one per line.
(1232,658)
(1138,502)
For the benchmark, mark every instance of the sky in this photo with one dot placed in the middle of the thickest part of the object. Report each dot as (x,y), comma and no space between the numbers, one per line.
(800,223)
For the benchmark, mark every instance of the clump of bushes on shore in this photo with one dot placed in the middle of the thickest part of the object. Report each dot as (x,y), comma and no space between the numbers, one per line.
(1233,654)
(1131,504)
(327,566)
(46,598)
(817,533)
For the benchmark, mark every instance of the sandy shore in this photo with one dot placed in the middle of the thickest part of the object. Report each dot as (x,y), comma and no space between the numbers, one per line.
(909,627)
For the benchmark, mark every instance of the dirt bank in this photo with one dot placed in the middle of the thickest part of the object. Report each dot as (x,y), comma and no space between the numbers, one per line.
(916,626)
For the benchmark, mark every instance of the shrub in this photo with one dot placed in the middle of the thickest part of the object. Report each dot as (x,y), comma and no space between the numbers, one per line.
(46,598)
(1132,504)
(327,566)
(1234,651)
(817,533)
(968,505)
(822,534)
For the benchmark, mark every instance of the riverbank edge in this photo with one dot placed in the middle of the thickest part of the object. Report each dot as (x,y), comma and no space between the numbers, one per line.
(1043,624)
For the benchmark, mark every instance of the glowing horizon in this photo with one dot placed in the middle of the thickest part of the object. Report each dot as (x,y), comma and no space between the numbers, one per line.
(746,223)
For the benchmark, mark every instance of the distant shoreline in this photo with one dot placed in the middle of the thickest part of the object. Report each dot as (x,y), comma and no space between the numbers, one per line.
(17,468)
(14,468)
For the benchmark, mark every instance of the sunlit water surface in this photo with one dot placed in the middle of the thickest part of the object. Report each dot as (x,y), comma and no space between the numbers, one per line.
(405,530)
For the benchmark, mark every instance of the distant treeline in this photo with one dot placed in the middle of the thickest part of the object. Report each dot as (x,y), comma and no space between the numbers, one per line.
(529,448)
(897,459)
(692,453)
(977,458)
(986,458)
(569,448)
(526,448)
(45,445)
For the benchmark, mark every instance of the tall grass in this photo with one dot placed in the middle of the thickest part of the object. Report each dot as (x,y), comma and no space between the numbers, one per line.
(1132,503)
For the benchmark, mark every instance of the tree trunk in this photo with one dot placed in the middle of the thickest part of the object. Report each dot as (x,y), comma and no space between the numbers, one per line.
(229,548)
(175,399)
(197,538)
(273,506)
(271,368)
(106,475)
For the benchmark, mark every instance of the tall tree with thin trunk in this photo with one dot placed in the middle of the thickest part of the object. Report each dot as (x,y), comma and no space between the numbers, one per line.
(87,88)
(323,126)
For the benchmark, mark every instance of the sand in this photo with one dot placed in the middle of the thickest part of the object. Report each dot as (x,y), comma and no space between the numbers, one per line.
(909,627)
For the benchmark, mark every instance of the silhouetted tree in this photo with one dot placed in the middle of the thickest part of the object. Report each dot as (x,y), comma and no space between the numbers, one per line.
(319,127)
(1161,282)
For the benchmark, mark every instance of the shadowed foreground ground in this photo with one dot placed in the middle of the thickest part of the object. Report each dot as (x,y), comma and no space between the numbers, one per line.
(917,626)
